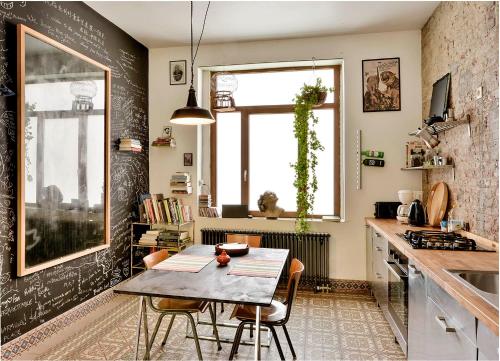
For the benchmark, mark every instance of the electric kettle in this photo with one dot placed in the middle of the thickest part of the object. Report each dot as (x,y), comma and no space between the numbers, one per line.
(416,214)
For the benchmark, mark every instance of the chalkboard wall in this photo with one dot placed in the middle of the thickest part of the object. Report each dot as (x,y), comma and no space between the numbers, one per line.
(32,300)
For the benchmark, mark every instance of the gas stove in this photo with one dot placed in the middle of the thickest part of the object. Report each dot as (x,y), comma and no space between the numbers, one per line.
(449,241)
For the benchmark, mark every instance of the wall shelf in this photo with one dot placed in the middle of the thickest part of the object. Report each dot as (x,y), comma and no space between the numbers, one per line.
(431,167)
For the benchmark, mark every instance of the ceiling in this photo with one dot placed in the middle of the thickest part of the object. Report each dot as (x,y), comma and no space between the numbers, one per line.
(166,23)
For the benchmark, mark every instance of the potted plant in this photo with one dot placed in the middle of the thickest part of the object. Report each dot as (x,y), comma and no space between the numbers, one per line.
(306,181)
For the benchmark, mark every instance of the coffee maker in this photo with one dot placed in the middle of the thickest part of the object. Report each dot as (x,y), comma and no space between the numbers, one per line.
(405,197)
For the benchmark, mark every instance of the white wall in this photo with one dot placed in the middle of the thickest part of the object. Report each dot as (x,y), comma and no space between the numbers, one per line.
(386,131)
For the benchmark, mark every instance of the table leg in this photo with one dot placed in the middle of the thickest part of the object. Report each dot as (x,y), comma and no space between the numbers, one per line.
(257,336)
(138,329)
(145,325)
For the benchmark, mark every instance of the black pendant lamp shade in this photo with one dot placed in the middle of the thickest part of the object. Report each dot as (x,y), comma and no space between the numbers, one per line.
(192,114)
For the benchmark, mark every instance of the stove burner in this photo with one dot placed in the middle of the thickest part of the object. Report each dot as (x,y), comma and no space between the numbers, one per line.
(440,240)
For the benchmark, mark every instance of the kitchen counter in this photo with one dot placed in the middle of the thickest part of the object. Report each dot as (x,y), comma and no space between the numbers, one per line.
(434,263)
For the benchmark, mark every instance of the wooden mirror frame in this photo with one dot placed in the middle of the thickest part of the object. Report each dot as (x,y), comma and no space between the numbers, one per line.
(22,270)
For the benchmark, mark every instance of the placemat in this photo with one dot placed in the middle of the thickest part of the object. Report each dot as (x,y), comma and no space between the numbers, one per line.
(256,268)
(184,263)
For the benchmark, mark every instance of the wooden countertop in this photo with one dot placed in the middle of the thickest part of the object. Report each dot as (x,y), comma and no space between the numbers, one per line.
(434,262)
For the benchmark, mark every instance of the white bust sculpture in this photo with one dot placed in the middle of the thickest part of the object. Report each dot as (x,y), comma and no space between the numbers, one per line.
(267,205)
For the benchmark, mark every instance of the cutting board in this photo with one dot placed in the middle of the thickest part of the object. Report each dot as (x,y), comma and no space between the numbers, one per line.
(429,200)
(437,203)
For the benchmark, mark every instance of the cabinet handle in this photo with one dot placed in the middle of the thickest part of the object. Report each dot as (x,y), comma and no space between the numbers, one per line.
(414,269)
(441,320)
(379,276)
(379,249)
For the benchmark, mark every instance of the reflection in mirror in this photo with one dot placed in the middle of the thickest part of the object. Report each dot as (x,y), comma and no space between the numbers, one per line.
(64,153)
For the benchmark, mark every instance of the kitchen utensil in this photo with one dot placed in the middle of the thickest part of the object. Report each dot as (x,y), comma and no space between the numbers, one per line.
(416,214)
(429,200)
(429,140)
(438,204)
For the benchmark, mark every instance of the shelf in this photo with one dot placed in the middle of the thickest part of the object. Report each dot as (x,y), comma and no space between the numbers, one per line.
(429,167)
(163,224)
(440,127)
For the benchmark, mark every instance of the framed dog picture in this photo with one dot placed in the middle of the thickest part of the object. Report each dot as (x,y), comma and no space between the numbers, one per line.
(188,159)
(381,85)
(178,72)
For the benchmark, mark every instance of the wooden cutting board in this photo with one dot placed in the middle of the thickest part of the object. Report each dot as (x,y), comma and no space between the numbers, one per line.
(438,201)
(429,200)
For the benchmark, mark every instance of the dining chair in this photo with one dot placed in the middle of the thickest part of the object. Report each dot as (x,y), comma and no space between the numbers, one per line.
(175,306)
(277,314)
(253,241)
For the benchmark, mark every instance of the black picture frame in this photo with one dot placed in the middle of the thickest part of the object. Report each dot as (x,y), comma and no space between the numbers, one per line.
(188,159)
(390,98)
(177,72)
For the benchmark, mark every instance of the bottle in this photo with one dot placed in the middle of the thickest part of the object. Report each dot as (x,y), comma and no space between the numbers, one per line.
(373,153)
(373,162)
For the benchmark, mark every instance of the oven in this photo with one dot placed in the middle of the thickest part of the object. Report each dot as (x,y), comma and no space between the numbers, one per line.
(397,295)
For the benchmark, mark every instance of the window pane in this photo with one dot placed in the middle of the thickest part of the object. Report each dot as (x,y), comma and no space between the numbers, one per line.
(228,158)
(280,87)
(95,155)
(272,149)
(324,196)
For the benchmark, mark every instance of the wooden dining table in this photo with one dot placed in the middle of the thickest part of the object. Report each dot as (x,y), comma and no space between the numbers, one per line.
(212,283)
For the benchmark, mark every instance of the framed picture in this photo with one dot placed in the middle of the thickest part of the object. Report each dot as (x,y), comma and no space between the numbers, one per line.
(188,159)
(167,131)
(381,85)
(178,72)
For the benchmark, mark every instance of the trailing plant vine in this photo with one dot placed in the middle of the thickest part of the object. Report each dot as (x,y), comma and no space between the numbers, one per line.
(306,181)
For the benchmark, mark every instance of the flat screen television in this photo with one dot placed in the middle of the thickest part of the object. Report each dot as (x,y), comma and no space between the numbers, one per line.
(439,100)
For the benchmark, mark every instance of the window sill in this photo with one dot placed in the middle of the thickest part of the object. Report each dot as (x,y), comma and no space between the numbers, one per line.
(312,220)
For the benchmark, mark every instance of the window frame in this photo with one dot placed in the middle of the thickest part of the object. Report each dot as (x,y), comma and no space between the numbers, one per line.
(246,111)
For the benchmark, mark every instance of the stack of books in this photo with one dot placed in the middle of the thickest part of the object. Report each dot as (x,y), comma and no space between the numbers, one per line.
(130,145)
(164,142)
(154,209)
(180,183)
(210,212)
(150,238)
(204,200)
(173,238)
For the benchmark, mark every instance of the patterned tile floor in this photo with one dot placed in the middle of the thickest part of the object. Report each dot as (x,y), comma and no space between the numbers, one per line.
(337,326)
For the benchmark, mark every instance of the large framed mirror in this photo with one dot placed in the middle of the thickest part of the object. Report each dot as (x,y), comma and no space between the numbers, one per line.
(63,135)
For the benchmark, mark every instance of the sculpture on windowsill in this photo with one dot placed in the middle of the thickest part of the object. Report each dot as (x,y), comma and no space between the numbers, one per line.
(267,205)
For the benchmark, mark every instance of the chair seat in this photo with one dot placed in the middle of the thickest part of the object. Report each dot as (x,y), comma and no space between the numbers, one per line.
(270,314)
(184,305)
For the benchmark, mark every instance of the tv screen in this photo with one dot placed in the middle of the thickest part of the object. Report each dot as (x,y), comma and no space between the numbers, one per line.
(439,101)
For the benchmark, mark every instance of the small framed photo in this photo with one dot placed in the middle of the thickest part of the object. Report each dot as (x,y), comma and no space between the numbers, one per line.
(188,159)
(178,72)
(381,85)
(167,132)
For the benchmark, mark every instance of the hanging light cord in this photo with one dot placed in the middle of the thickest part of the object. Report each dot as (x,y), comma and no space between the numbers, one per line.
(193,58)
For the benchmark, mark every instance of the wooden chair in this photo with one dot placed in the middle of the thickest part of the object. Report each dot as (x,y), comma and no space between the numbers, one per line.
(253,240)
(275,315)
(174,307)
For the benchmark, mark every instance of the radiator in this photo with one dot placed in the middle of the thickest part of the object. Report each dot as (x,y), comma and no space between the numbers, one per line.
(312,249)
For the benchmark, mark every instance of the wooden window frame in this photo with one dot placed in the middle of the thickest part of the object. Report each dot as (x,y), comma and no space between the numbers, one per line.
(246,111)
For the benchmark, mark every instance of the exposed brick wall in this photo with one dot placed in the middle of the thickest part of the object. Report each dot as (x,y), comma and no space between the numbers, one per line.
(462,38)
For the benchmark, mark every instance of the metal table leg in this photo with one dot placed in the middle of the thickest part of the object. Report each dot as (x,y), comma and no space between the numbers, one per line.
(138,329)
(145,320)
(257,336)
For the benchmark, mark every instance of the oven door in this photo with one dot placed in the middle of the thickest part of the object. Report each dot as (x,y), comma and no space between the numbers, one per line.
(397,297)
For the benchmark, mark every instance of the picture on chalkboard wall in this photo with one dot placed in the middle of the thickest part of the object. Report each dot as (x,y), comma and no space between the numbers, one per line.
(381,85)
(178,72)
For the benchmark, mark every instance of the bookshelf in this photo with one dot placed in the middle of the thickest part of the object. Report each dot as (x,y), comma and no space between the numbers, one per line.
(138,251)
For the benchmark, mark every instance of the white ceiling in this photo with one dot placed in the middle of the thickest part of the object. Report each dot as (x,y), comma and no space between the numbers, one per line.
(166,23)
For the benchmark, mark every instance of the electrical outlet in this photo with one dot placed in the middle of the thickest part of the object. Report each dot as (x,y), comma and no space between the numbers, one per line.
(479,92)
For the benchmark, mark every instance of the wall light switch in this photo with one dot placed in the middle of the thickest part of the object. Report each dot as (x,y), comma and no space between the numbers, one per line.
(479,92)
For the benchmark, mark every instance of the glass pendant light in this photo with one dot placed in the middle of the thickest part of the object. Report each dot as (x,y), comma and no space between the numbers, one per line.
(192,114)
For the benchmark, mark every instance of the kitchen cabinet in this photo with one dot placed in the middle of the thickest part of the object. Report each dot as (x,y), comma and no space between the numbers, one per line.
(369,253)
(417,298)
(487,343)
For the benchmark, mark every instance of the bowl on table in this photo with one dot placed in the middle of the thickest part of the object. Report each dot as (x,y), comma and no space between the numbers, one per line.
(232,249)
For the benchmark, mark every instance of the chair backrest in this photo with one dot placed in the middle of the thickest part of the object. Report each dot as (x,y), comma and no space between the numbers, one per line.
(296,269)
(154,258)
(253,240)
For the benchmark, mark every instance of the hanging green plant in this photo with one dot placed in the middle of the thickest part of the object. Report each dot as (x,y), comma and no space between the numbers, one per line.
(306,181)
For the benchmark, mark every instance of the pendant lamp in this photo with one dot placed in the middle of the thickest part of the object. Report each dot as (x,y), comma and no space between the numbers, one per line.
(192,114)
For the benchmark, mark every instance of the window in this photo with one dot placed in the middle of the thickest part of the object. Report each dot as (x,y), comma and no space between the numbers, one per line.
(253,146)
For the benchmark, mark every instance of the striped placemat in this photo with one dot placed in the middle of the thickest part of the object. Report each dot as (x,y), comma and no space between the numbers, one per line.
(256,268)
(184,263)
